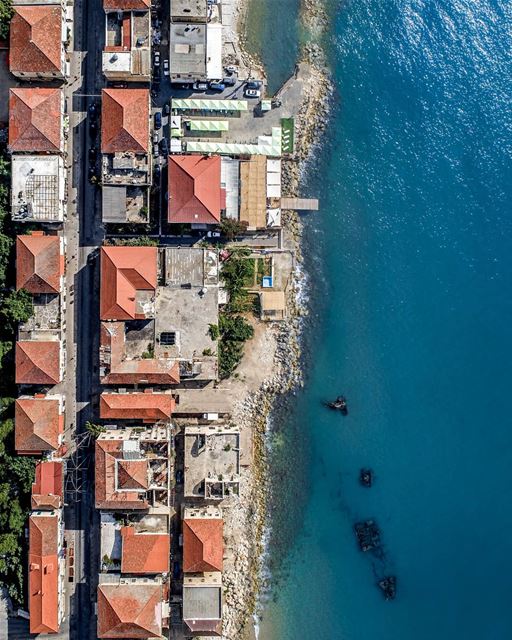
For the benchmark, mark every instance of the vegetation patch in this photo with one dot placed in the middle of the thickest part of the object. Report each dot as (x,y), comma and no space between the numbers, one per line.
(16,472)
(234,329)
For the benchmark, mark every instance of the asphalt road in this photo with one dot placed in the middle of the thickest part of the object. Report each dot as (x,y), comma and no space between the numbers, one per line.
(89,36)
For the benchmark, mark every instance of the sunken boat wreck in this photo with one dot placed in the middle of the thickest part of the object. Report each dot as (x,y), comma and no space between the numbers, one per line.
(388,587)
(368,535)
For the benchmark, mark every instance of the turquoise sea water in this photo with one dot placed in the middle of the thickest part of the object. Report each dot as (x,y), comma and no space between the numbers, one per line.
(410,274)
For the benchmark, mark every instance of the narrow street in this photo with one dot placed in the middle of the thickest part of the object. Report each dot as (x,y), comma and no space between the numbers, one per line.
(84,234)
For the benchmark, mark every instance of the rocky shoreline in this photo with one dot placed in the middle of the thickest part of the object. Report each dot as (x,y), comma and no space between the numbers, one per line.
(245,518)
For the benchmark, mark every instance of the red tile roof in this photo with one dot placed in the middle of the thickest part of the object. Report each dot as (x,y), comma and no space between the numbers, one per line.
(47,490)
(39,263)
(43,577)
(35,120)
(38,424)
(114,473)
(144,552)
(121,370)
(194,189)
(125,121)
(36,40)
(148,407)
(203,546)
(129,610)
(37,362)
(124,271)
(126,5)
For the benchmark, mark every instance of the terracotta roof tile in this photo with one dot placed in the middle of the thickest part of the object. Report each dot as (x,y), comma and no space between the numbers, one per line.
(125,121)
(39,263)
(108,464)
(144,552)
(194,189)
(38,424)
(36,40)
(124,271)
(38,362)
(121,370)
(149,407)
(43,577)
(47,490)
(203,546)
(35,120)
(129,610)
(126,5)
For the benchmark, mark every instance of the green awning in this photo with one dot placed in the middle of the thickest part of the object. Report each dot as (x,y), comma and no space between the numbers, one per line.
(203,104)
(208,125)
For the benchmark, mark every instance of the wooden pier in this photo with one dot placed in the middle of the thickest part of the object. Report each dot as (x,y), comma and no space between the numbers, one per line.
(300,204)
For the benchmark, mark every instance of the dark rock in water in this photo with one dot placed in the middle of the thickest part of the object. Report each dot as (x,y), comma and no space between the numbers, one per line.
(368,535)
(366,477)
(340,404)
(388,587)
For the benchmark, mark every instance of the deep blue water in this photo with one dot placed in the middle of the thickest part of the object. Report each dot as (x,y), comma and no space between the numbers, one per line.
(410,267)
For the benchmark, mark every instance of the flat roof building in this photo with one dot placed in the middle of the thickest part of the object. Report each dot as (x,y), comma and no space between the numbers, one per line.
(202,604)
(37,188)
(189,10)
(187,59)
(127,52)
(212,462)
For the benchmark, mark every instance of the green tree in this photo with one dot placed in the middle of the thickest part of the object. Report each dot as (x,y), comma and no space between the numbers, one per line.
(231,228)
(17,307)
(94,429)
(5,18)
(22,469)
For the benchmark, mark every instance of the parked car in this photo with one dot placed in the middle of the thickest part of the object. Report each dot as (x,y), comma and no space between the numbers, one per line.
(157,172)
(176,570)
(156,59)
(156,150)
(164,146)
(252,93)
(179,476)
(166,67)
(253,84)
(217,86)
(231,69)
(158,120)
(155,137)
(200,86)
(229,82)
(167,109)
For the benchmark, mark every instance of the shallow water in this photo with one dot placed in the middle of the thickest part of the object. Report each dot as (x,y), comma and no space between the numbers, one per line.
(410,268)
(273,35)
